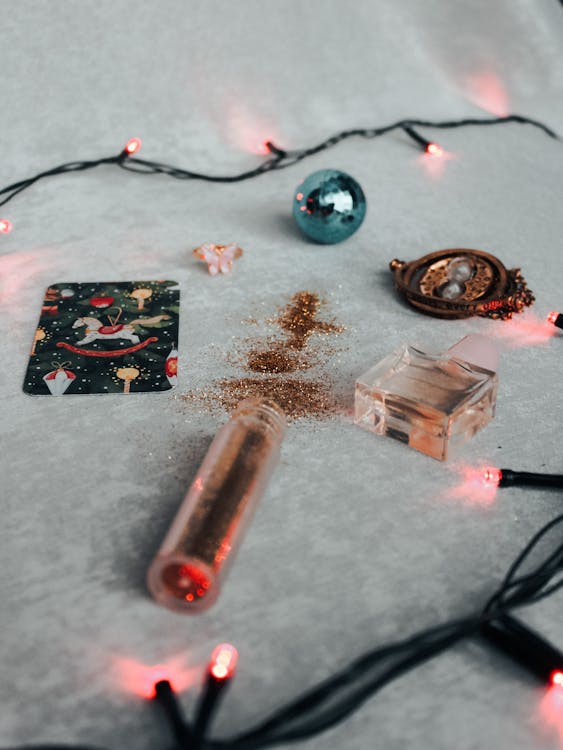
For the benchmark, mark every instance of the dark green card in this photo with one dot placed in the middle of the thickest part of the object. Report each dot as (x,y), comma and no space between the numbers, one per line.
(105,337)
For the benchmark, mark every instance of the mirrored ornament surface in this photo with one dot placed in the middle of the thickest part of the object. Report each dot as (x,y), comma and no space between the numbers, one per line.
(329,206)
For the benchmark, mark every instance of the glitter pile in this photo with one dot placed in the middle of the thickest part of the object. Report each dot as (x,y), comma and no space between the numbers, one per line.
(274,357)
(298,398)
(298,320)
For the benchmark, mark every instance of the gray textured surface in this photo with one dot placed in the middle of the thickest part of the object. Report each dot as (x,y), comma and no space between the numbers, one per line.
(358,539)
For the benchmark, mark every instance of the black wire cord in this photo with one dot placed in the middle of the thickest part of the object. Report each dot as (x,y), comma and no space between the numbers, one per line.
(340,695)
(527,581)
(510,478)
(345,692)
(279,159)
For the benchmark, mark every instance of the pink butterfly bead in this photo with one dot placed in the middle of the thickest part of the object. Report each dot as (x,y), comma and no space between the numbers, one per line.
(219,258)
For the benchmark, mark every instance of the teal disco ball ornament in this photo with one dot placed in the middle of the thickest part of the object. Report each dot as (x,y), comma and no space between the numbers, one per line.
(329,206)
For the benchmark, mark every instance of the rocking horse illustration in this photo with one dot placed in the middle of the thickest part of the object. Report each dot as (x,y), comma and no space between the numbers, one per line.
(97,331)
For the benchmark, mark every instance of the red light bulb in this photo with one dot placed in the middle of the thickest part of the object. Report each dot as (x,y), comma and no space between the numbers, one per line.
(5,226)
(552,317)
(223,661)
(434,150)
(492,476)
(261,147)
(132,146)
(556,678)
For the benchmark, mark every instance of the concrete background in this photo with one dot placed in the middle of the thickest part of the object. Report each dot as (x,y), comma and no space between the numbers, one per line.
(358,539)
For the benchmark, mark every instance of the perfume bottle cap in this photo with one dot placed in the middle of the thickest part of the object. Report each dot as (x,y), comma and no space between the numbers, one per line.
(477,350)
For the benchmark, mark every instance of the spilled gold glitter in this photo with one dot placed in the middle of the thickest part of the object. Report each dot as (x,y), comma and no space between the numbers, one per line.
(299,319)
(273,358)
(276,359)
(297,397)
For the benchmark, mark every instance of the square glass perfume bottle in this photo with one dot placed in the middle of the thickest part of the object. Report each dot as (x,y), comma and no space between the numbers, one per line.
(432,402)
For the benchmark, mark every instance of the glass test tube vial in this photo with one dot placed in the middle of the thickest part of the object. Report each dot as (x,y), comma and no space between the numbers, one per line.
(189,567)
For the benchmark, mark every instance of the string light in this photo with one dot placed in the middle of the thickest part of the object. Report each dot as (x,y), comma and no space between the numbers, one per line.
(555,318)
(434,150)
(492,476)
(164,694)
(273,149)
(556,678)
(526,647)
(220,672)
(132,146)
(508,477)
(262,148)
(335,698)
(278,157)
(430,148)
(223,662)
